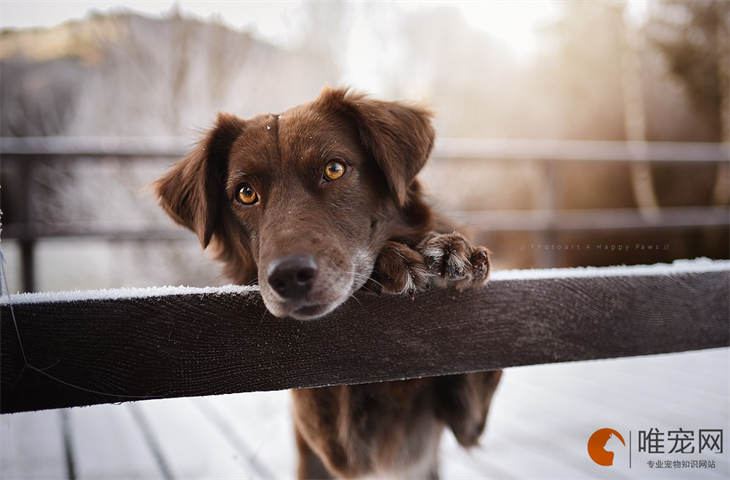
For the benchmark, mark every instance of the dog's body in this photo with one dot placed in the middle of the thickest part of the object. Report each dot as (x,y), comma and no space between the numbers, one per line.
(315,204)
(389,429)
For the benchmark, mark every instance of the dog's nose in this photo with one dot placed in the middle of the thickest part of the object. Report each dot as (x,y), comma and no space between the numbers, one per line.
(292,276)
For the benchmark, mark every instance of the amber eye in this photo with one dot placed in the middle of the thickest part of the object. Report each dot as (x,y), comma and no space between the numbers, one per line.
(333,170)
(246,194)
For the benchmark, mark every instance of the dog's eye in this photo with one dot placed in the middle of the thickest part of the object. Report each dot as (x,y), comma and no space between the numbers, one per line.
(246,194)
(333,170)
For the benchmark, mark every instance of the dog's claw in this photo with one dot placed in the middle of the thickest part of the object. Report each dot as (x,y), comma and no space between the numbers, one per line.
(452,258)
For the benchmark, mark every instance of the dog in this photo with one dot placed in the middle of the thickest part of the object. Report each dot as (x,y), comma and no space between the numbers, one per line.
(315,204)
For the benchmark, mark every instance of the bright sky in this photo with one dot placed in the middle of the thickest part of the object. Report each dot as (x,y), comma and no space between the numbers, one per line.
(513,22)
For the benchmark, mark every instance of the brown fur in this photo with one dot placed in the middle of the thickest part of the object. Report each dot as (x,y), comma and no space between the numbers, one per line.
(370,228)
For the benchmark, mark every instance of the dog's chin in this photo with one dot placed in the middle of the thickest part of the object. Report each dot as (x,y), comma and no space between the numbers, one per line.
(307,310)
(310,312)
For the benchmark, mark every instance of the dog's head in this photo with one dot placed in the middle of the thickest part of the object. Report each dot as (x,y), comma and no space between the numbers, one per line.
(306,199)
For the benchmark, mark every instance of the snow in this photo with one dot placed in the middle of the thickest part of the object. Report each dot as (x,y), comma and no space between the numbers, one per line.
(122,293)
(698,265)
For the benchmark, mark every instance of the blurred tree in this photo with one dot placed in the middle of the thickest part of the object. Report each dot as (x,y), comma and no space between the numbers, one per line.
(38,97)
(170,75)
(579,75)
(689,34)
(325,33)
(582,72)
(635,119)
(692,36)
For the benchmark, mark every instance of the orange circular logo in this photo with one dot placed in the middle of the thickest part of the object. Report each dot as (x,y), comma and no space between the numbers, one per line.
(597,446)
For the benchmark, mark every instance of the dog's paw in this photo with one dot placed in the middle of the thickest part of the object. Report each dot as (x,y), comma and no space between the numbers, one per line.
(399,270)
(450,257)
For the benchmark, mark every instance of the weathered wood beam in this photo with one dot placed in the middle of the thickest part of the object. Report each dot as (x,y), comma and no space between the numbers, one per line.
(492,221)
(114,346)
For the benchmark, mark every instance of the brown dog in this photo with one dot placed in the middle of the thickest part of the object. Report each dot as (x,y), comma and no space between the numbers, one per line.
(315,204)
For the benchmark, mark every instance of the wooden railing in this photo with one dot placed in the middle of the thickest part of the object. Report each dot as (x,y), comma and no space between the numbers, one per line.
(82,348)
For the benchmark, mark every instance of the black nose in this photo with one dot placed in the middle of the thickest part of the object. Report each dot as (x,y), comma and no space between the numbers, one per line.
(292,276)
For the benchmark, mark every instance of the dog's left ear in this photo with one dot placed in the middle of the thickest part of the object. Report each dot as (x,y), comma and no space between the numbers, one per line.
(398,136)
(192,191)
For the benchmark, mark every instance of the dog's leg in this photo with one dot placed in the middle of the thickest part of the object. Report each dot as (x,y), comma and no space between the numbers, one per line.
(462,402)
(318,413)
(399,270)
(310,467)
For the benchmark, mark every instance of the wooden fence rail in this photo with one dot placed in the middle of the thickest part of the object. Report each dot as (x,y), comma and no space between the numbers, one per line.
(27,151)
(112,346)
(493,221)
(446,148)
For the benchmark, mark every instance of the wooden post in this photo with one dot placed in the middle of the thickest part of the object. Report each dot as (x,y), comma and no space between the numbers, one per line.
(27,241)
(548,237)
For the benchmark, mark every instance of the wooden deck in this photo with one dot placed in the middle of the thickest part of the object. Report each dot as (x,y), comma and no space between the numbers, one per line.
(541,419)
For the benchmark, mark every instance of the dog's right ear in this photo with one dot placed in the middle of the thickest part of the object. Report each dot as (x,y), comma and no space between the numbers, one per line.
(397,135)
(192,191)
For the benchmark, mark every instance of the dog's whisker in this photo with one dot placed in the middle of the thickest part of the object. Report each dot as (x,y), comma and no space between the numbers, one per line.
(375,282)
(263,315)
(367,278)
(352,295)
(368,289)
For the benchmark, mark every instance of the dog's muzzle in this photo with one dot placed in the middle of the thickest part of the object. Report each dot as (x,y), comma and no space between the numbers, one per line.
(292,276)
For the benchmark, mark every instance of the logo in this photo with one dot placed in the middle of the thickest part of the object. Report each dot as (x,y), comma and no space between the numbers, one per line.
(658,448)
(597,446)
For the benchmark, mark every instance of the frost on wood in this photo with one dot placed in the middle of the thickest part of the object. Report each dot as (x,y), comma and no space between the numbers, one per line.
(697,265)
(123,293)
(677,267)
